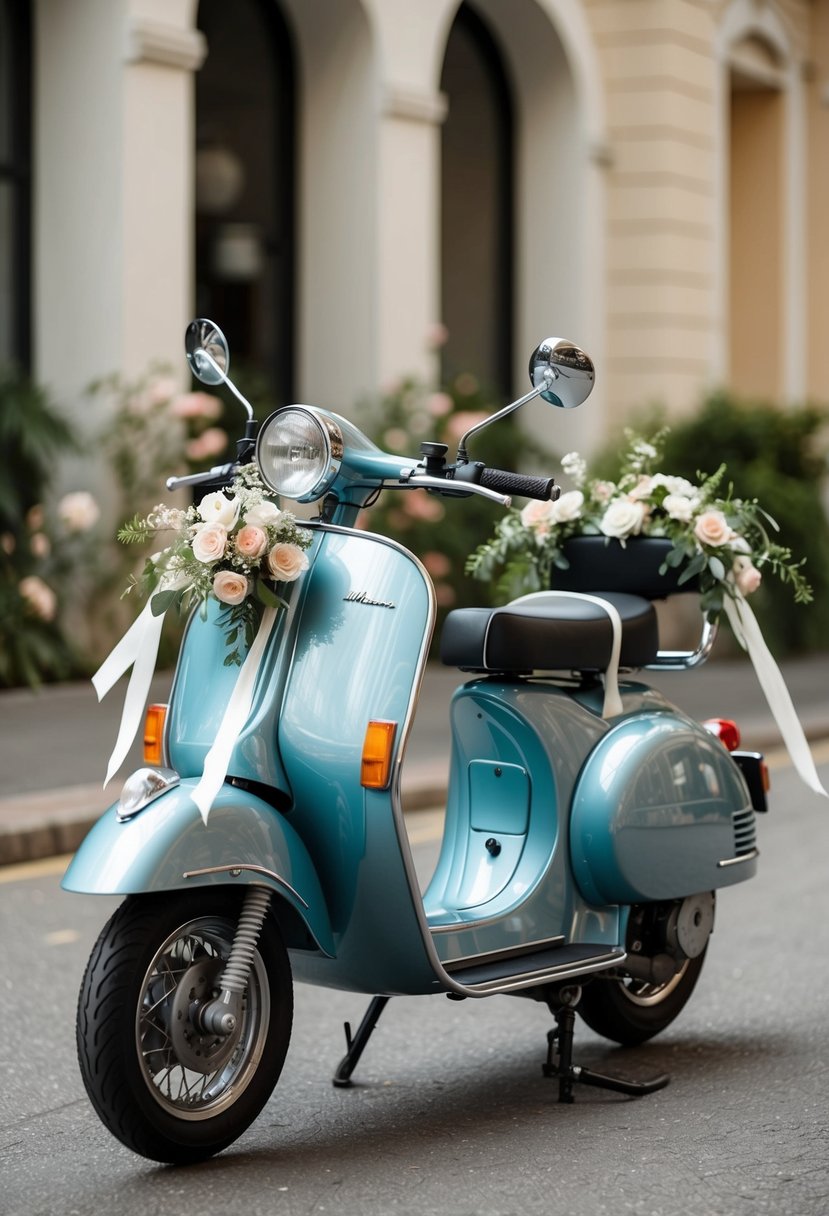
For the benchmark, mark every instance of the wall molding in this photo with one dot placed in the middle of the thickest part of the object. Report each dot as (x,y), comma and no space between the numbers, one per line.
(165,45)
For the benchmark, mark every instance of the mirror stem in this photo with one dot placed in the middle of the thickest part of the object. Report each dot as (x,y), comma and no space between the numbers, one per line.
(508,409)
(208,358)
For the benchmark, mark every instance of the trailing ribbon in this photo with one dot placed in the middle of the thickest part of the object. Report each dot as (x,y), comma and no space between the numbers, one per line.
(138,649)
(236,714)
(612,699)
(748,634)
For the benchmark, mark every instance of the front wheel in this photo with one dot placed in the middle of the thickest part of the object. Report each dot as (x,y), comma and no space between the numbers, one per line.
(162,1085)
(631,1011)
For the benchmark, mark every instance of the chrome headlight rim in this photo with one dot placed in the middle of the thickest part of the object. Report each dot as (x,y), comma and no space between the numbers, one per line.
(331,443)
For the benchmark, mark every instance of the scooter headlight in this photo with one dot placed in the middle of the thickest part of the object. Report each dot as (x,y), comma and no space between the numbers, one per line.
(299,452)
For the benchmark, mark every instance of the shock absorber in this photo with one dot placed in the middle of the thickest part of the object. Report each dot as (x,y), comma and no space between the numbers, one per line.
(220,1015)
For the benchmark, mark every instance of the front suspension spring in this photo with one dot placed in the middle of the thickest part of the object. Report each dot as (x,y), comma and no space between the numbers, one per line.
(251,920)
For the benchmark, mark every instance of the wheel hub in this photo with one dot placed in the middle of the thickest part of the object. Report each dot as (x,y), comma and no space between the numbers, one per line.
(196,1048)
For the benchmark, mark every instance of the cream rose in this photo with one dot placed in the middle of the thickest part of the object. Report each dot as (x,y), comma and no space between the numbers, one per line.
(286,562)
(263,515)
(251,542)
(209,543)
(230,587)
(78,511)
(219,509)
(567,507)
(746,575)
(538,516)
(623,518)
(712,528)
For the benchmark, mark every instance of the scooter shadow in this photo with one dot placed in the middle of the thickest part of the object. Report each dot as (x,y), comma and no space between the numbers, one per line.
(373,1117)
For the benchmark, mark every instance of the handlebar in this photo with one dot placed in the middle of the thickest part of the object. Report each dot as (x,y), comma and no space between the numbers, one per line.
(222,472)
(542,488)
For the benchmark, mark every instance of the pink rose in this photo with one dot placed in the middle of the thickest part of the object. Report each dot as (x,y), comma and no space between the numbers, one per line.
(211,442)
(40,598)
(286,562)
(209,543)
(712,528)
(251,542)
(230,587)
(196,405)
(537,515)
(746,575)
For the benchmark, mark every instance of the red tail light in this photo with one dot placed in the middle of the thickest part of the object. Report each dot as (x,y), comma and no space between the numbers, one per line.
(726,731)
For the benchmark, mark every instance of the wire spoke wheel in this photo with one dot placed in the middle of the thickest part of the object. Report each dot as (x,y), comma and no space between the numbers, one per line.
(161,1082)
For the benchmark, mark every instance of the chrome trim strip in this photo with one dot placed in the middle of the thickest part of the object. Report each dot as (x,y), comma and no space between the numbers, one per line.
(492,956)
(683,660)
(735,861)
(237,867)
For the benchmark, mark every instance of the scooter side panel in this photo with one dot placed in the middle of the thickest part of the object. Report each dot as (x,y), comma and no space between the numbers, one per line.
(361,639)
(161,845)
(660,811)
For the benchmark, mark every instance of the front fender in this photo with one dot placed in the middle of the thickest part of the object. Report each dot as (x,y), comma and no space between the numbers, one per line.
(168,847)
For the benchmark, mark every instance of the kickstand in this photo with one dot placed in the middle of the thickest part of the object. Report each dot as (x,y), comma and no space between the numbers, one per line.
(356,1045)
(560,1057)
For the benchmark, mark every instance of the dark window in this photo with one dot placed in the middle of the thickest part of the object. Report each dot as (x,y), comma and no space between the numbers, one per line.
(477,206)
(15,182)
(245,185)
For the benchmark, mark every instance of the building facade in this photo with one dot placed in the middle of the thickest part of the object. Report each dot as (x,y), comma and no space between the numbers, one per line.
(331,178)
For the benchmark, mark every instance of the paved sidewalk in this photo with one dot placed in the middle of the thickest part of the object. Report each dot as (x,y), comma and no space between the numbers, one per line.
(54,744)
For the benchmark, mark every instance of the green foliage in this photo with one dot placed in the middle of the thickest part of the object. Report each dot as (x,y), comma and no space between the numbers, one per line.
(777,456)
(33,433)
(441,530)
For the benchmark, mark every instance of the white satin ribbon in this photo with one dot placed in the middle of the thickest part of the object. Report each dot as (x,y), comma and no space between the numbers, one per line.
(747,632)
(612,698)
(236,714)
(138,649)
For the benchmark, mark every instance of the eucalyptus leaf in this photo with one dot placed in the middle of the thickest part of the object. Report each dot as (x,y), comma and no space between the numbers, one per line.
(161,601)
(716,567)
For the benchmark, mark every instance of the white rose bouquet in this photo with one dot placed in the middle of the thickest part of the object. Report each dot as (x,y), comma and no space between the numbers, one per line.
(231,547)
(720,541)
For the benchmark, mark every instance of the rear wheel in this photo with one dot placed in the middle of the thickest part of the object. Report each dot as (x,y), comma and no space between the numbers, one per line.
(163,1085)
(630,1011)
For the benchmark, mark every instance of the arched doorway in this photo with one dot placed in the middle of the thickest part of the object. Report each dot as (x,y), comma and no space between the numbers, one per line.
(756,174)
(477,175)
(245,180)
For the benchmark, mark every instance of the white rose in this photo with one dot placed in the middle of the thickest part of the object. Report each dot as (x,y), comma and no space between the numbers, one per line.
(219,509)
(286,562)
(568,507)
(209,543)
(263,515)
(623,518)
(678,507)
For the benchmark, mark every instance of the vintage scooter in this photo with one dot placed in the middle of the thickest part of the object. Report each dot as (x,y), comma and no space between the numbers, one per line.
(588,821)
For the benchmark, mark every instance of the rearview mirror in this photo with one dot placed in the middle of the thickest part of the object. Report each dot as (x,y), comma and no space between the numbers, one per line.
(562,372)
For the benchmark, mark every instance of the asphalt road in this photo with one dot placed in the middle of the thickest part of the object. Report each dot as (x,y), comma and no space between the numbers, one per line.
(451,1113)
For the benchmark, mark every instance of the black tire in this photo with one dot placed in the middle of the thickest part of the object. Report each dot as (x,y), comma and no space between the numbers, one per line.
(142,1062)
(631,1011)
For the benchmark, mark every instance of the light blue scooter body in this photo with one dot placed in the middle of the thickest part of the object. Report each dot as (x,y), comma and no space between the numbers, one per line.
(534,767)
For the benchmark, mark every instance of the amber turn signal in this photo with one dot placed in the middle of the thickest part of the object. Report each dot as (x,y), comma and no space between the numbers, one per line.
(154,734)
(377,752)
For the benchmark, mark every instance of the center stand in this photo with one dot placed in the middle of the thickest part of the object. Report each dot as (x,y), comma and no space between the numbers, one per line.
(560,1064)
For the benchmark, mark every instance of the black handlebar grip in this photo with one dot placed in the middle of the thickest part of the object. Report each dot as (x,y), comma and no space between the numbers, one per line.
(543,488)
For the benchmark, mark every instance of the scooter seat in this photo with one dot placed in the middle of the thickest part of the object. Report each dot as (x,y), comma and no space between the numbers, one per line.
(550,635)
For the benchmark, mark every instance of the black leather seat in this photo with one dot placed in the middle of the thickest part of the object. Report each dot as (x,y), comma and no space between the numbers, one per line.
(550,635)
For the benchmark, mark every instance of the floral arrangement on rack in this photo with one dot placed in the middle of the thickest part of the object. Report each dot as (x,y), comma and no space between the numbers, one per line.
(721,541)
(230,547)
